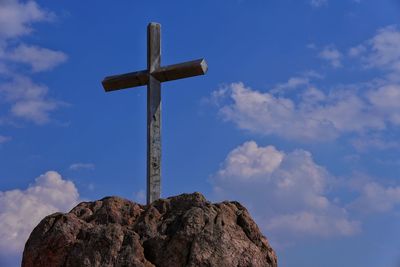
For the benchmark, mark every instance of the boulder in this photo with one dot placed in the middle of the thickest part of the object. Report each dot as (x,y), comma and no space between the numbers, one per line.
(185,230)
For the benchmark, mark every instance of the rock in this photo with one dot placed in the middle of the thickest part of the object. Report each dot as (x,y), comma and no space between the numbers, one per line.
(185,230)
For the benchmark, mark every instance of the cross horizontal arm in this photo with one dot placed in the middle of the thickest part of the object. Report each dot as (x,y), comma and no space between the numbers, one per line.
(162,74)
(127,80)
(180,71)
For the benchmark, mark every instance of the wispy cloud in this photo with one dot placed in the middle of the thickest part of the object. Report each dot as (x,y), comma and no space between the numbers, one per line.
(40,59)
(4,139)
(375,197)
(318,3)
(296,82)
(82,166)
(16,17)
(332,55)
(140,196)
(377,142)
(382,51)
(26,98)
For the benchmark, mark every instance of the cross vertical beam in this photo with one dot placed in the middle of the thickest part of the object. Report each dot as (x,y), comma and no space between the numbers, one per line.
(153,113)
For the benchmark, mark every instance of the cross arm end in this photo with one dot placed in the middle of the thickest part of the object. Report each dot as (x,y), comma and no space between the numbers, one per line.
(132,79)
(182,70)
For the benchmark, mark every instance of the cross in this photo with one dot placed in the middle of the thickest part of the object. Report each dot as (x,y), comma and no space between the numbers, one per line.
(152,77)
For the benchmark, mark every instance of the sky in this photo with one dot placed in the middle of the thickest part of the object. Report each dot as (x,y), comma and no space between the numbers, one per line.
(298,117)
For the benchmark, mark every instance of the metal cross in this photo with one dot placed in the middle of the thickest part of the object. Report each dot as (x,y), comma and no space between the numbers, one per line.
(152,77)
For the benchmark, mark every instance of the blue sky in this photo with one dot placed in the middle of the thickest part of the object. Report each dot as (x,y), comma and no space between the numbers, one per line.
(298,117)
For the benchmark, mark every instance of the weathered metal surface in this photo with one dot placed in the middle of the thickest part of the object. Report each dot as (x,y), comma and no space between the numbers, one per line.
(153,76)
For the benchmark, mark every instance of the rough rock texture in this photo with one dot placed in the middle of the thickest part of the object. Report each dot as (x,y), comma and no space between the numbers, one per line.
(185,230)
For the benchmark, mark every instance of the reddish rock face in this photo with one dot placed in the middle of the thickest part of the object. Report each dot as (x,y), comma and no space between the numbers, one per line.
(185,230)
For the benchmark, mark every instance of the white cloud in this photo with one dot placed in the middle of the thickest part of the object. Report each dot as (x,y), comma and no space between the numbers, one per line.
(315,115)
(386,101)
(381,51)
(266,114)
(250,160)
(293,82)
(297,82)
(384,49)
(4,139)
(140,196)
(16,17)
(22,210)
(82,166)
(357,50)
(28,100)
(332,55)
(40,59)
(311,46)
(377,198)
(286,191)
(366,143)
(318,3)
(314,224)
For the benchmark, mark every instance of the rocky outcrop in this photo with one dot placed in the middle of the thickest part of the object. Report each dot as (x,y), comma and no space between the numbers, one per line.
(185,230)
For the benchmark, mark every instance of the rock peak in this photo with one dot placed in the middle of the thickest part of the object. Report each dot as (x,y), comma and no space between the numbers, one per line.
(185,230)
